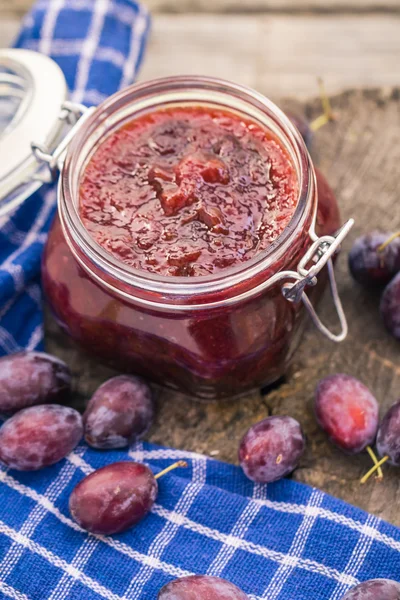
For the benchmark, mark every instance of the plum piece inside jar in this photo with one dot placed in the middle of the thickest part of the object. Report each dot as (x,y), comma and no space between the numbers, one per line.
(188,191)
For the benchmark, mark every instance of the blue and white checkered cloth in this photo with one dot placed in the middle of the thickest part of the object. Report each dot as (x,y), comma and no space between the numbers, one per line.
(99,45)
(283,541)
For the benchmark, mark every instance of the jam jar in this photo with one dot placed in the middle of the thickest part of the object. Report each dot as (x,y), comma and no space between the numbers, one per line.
(225,330)
(210,336)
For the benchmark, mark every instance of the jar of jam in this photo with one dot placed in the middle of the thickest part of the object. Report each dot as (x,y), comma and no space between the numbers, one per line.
(189,236)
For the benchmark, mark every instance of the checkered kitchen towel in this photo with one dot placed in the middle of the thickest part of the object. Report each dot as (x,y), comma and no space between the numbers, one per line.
(283,541)
(99,45)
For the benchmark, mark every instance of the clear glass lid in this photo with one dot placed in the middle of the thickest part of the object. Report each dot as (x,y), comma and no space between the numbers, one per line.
(32,92)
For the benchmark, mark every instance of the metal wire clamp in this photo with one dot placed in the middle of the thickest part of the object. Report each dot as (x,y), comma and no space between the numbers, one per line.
(319,254)
(73,114)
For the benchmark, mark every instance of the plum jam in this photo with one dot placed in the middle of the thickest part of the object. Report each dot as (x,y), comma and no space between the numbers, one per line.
(185,205)
(188,191)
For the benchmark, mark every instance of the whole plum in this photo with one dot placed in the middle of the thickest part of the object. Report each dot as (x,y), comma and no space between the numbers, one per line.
(371,266)
(390,307)
(119,412)
(347,411)
(113,498)
(375,589)
(29,378)
(388,438)
(39,436)
(201,587)
(271,449)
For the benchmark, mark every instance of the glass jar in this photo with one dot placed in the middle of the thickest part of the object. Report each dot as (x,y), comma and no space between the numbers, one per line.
(211,336)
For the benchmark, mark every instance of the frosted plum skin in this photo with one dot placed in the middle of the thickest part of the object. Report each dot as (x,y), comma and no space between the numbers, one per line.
(120,412)
(30,378)
(201,587)
(271,449)
(375,589)
(39,436)
(113,498)
(347,411)
(388,438)
(370,267)
(390,307)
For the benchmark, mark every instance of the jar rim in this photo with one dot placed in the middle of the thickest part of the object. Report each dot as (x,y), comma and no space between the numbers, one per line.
(156,93)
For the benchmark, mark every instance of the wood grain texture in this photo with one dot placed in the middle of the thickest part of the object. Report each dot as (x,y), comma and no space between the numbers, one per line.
(278,55)
(19,7)
(273,6)
(360,154)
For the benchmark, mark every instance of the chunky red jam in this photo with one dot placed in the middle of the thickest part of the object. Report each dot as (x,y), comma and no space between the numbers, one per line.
(188,191)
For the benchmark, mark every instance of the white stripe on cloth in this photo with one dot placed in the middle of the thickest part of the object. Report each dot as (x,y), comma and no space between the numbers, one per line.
(33,289)
(306,564)
(168,532)
(57,561)
(300,539)
(137,452)
(137,32)
(14,235)
(357,557)
(167,454)
(285,507)
(239,530)
(117,545)
(16,271)
(80,559)
(36,337)
(37,514)
(11,592)
(49,23)
(93,97)
(88,49)
(7,342)
(90,544)
(280,557)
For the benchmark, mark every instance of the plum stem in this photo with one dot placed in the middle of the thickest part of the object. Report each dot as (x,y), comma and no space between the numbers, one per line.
(180,463)
(328,114)
(374,468)
(388,241)
(375,461)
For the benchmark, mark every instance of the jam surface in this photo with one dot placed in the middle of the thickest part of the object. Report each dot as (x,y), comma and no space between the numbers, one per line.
(188,191)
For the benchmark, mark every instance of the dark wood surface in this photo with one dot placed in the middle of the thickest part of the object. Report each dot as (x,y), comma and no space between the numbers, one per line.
(360,154)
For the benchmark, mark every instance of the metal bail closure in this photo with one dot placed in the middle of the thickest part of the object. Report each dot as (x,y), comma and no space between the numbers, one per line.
(32,93)
(319,254)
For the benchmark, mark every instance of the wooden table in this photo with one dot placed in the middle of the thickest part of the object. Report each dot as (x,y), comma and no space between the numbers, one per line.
(279,47)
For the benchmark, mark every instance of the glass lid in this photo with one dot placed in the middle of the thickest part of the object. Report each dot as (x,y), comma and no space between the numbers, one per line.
(32,92)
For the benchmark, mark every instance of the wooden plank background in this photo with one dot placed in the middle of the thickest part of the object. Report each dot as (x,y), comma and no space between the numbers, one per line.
(19,7)
(276,46)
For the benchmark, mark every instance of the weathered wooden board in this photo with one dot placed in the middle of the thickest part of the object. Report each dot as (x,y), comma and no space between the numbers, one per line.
(18,7)
(360,154)
(280,55)
(267,6)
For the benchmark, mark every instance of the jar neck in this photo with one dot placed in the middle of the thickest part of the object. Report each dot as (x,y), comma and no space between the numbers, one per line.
(228,284)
